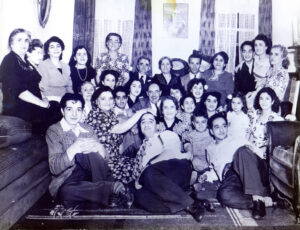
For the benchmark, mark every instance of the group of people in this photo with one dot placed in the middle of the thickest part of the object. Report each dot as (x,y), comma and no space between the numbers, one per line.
(116,136)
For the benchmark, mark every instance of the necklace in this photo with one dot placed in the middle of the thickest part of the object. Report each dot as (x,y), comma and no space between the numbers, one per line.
(79,75)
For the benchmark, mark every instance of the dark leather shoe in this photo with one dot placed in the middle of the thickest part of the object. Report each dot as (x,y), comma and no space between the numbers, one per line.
(114,201)
(126,199)
(197,211)
(258,210)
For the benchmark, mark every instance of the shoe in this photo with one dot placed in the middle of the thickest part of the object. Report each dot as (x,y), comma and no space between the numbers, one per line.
(126,199)
(258,210)
(209,206)
(114,201)
(196,210)
(282,203)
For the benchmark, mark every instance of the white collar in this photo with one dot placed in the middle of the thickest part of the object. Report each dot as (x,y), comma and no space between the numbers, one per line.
(192,76)
(77,130)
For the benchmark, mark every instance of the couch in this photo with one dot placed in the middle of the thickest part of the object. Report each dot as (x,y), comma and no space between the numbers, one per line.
(284,160)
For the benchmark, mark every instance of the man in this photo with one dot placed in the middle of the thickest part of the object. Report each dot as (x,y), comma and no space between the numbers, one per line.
(121,108)
(152,100)
(80,174)
(242,171)
(194,64)
(143,67)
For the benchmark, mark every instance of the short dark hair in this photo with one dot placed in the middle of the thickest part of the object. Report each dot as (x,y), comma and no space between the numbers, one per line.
(194,55)
(152,83)
(224,55)
(72,61)
(35,43)
(14,33)
(98,92)
(199,113)
(71,97)
(47,44)
(110,35)
(141,58)
(140,120)
(185,97)
(163,58)
(169,98)
(119,89)
(247,43)
(104,73)
(177,87)
(215,94)
(214,117)
(195,81)
(272,94)
(128,84)
(266,40)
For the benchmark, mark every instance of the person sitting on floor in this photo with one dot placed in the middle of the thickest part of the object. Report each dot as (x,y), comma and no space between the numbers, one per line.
(76,159)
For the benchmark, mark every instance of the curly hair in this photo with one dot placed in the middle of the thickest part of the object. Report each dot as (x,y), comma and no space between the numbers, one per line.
(210,93)
(47,44)
(111,35)
(284,53)
(163,58)
(243,99)
(272,94)
(266,40)
(195,81)
(225,57)
(73,62)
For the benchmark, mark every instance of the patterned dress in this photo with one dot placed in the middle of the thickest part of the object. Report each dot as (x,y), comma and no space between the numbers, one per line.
(102,122)
(121,64)
(178,127)
(278,80)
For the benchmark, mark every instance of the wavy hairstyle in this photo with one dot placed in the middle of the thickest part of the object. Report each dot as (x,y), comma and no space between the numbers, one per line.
(272,94)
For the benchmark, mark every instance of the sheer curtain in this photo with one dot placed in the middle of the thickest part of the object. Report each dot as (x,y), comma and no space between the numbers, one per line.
(235,22)
(114,16)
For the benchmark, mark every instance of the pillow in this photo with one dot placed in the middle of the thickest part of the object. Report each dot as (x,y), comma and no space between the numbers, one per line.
(13,130)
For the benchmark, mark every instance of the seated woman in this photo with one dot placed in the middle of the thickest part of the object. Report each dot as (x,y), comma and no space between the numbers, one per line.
(109,131)
(56,80)
(217,78)
(166,79)
(134,87)
(20,83)
(81,69)
(197,87)
(109,78)
(113,60)
(278,76)
(210,103)
(86,90)
(158,187)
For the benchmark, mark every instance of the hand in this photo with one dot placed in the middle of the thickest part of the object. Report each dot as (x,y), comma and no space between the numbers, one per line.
(81,145)
(118,187)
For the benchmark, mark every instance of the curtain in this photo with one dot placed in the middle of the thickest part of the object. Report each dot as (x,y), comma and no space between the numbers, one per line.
(207,27)
(84,24)
(142,35)
(265,17)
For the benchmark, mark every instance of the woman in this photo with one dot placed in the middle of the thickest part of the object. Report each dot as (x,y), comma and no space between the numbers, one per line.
(135,89)
(81,69)
(217,79)
(86,90)
(266,105)
(113,60)
(210,103)
(197,88)
(177,92)
(109,131)
(166,79)
(158,187)
(278,76)
(109,78)
(56,80)
(188,105)
(20,83)
(169,108)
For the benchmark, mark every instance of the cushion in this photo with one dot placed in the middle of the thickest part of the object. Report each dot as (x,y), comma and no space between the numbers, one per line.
(284,154)
(13,130)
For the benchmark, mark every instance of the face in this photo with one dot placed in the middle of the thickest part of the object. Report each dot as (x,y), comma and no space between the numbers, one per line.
(211,103)
(200,124)
(194,65)
(143,66)
(219,63)
(236,104)
(276,57)
(36,55)
(260,47)
(81,57)
(165,66)
(136,88)
(148,125)
(219,129)
(20,43)
(247,53)
(169,110)
(54,50)
(265,101)
(197,90)
(109,80)
(188,105)
(72,112)
(204,66)
(87,91)
(105,101)
(154,93)
(121,99)
(113,43)
(176,93)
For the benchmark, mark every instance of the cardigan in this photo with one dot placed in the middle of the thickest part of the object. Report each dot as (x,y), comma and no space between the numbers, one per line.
(55,83)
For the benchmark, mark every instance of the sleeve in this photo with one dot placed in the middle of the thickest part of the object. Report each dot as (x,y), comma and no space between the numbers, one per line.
(229,84)
(69,85)
(58,158)
(42,69)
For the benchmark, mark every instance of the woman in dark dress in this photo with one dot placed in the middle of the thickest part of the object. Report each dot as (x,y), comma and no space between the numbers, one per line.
(81,69)
(20,82)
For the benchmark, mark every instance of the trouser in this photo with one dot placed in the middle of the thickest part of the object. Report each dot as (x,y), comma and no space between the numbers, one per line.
(90,182)
(247,176)
(163,187)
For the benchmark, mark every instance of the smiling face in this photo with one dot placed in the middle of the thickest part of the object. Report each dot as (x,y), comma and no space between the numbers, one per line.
(276,57)
(113,43)
(36,55)
(247,53)
(143,66)
(154,93)
(169,110)
(197,91)
(200,123)
(260,47)
(188,105)
(121,99)
(87,91)
(20,43)
(265,101)
(72,112)
(136,88)
(176,94)
(219,63)
(55,50)
(148,125)
(236,104)
(109,80)
(105,101)
(194,65)
(211,103)
(81,56)
(219,129)
(165,66)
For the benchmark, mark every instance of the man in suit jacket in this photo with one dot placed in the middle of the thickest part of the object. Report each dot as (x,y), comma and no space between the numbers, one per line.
(194,64)
(143,67)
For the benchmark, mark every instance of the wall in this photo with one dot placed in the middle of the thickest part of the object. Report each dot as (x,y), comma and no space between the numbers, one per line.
(23,14)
